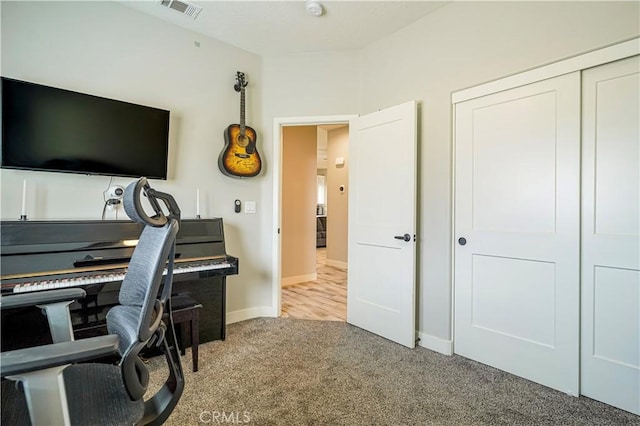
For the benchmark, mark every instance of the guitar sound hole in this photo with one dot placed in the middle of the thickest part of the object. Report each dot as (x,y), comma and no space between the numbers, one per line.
(243,140)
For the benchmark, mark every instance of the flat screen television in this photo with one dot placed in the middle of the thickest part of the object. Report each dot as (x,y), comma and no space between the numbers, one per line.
(51,129)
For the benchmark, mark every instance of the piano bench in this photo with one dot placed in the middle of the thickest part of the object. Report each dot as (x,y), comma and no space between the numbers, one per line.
(186,312)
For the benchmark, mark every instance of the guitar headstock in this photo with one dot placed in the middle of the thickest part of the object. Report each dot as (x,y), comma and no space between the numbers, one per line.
(241,83)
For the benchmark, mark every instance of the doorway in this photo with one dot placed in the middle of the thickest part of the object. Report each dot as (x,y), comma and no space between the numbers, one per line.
(319,291)
(382,202)
(314,222)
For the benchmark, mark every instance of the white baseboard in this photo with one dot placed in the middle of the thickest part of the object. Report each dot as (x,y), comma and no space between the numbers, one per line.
(299,279)
(245,314)
(436,344)
(336,264)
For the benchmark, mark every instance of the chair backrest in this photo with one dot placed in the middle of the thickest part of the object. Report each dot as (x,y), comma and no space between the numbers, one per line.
(144,293)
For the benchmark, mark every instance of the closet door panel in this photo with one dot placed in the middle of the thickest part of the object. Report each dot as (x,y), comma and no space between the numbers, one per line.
(517,184)
(610,323)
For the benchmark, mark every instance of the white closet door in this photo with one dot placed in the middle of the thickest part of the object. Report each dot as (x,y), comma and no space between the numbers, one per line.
(517,187)
(610,345)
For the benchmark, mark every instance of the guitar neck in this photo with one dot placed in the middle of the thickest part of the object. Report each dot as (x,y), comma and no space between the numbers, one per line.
(242,125)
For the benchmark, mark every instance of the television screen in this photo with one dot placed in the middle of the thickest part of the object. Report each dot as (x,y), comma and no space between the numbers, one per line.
(51,129)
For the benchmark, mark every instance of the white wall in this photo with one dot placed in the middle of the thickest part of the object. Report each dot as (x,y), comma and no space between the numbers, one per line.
(110,50)
(113,51)
(461,45)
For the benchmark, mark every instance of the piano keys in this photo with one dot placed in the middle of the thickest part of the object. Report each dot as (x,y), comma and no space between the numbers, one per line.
(93,255)
(63,279)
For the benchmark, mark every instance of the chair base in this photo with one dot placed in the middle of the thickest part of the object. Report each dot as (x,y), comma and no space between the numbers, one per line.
(98,386)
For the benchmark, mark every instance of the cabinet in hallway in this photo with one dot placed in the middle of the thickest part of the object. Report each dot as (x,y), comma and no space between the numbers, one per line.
(321,231)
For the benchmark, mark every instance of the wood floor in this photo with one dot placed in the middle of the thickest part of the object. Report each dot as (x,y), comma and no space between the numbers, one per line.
(322,299)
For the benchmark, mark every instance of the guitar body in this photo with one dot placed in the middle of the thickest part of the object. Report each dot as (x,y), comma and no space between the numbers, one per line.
(240,157)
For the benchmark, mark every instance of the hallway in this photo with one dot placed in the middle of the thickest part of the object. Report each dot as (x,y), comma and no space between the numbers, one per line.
(322,299)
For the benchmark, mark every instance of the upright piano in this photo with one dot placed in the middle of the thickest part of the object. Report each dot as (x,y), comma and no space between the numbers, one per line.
(94,255)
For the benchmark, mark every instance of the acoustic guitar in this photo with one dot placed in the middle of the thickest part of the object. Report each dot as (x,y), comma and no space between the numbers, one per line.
(240,157)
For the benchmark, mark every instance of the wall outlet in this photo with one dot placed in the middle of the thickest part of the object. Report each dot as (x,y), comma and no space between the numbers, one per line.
(115,192)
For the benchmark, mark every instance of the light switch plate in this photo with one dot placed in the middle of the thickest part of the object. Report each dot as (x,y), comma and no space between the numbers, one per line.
(249,206)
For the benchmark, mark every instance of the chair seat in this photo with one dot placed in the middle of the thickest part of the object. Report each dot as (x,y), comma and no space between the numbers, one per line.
(95,394)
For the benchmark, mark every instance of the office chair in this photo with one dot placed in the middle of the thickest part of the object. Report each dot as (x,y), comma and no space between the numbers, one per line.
(49,386)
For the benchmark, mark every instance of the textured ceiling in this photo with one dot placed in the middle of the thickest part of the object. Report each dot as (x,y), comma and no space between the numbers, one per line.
(281,27)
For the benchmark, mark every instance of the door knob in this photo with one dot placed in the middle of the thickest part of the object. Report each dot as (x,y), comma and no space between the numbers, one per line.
(462,241)
(405,237)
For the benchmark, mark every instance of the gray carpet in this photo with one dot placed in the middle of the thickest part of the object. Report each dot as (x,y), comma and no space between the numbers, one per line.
(298,372)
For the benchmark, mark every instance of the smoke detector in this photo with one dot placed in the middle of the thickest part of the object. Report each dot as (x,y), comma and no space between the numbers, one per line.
(314,8)
(182,7)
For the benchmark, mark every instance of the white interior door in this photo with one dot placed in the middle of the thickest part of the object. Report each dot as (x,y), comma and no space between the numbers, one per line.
(382,207)
(610,345)
(517,188)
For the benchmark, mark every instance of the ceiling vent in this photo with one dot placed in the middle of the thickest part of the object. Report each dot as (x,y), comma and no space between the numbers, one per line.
(182,7)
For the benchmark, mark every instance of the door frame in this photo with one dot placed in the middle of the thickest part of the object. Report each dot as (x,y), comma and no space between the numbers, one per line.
(278,124)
